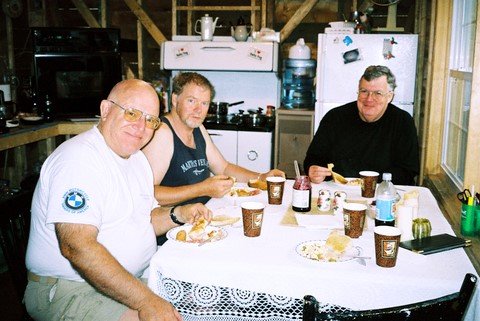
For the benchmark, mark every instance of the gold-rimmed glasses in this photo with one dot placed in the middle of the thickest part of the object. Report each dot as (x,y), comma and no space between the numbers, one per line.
(376,94)
(132,115)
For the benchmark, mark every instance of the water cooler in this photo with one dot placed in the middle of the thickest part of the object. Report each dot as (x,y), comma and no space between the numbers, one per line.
(298,81)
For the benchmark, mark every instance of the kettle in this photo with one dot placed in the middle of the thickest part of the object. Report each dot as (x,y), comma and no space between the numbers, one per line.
(207,27)
(299,51)
(241,31)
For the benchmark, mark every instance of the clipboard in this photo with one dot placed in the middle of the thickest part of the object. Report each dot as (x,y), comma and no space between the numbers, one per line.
(435,244)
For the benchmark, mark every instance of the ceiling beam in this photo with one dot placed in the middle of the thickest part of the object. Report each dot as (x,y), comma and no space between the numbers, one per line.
(297,18)
(146,21)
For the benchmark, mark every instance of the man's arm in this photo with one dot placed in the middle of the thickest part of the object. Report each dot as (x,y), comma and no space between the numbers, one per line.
(162,222)
(79,245)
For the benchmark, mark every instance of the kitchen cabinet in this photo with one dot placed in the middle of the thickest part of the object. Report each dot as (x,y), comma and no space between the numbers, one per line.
(294,130)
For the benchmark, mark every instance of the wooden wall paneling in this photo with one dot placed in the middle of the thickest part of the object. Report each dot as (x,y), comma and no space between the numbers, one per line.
(146,21)
(86,14)
(140,46)
(472,169)
(104,16)
(297,18)
(437,85)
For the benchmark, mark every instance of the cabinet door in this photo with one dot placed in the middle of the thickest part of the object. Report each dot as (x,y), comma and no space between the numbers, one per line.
(226,142)
(255,151)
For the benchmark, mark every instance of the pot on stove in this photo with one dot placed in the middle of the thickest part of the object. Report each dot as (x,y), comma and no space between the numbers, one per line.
(221,108)
(254,118)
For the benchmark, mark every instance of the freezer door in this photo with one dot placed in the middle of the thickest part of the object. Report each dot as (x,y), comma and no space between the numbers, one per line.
(342,59)
(211,55)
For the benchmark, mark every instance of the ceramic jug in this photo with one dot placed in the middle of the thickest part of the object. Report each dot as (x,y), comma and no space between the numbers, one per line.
(207,27)
(241,32)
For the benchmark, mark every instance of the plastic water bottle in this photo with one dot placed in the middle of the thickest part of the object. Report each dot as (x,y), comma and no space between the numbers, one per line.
(385,201)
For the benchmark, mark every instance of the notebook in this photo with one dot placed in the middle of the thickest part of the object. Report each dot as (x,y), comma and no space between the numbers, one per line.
(435,243)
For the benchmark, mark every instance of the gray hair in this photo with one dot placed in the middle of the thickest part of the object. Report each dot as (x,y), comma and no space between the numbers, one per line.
(374,72)
(184,78)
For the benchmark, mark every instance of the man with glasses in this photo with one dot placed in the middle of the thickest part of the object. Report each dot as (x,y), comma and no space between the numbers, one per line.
(367,134)
(182,154)
(95,219)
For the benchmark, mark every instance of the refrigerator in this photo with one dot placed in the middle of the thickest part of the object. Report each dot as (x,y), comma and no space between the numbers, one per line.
(342,59)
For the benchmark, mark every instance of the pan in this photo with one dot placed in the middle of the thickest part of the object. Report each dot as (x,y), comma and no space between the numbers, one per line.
(221,108)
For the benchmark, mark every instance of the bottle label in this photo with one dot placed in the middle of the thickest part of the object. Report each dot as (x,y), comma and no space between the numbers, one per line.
(301,198)
(385,209)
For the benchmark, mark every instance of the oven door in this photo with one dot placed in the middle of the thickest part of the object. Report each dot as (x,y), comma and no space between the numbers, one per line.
(255,150)
(76,82)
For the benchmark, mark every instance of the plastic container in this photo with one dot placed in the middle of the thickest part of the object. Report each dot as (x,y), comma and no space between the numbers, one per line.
(298,83)
(386,196)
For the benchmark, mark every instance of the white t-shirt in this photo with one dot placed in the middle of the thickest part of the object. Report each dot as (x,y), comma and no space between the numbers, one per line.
(83,181)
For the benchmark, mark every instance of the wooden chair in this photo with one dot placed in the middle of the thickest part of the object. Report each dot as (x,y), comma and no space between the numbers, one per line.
(14,231)
(451,307)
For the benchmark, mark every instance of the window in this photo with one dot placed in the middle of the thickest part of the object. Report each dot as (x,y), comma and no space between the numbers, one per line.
(459,89)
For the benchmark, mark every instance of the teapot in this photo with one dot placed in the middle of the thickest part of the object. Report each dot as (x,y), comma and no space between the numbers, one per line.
(207,27)
(241,31)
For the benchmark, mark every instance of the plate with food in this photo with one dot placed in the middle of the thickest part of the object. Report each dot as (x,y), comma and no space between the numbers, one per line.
(244,191)
(198,233)
(350,182)
(31,120)
(336,248)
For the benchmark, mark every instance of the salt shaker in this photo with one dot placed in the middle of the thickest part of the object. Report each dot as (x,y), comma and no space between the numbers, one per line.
(324,202)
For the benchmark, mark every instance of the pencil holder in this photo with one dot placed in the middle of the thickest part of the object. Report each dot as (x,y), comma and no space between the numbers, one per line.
(467,223)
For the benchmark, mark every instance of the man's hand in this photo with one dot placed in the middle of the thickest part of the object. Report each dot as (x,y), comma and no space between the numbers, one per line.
(218,186)
(158,309)
(192,212)
(273,172)
(317,173)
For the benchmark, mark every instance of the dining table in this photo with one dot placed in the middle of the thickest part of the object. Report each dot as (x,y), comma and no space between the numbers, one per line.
(266,277)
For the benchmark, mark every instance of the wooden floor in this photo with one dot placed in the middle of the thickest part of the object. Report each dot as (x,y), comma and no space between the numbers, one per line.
(10,306)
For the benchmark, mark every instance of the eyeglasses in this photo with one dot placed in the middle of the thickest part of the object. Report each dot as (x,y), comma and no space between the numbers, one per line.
(377,95)
(132,115)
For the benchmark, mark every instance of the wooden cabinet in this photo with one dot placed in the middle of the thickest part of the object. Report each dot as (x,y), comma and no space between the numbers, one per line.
(294,130)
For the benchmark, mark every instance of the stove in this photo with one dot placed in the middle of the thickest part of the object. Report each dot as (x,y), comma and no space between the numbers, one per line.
(237,122)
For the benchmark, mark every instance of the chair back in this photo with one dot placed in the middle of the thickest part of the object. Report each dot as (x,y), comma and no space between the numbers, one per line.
(451,307)
(14,231)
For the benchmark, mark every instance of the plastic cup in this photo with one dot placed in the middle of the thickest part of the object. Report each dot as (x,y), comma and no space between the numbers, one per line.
(275,187)
(354,219)
(404,218)
(369,183)
(252,214)
(387,239)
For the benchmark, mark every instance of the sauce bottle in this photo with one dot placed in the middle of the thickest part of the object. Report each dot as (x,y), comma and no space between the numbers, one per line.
(302,194)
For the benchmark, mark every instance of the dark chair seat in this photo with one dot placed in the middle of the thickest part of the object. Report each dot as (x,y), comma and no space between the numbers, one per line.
(14,231)
(449,308)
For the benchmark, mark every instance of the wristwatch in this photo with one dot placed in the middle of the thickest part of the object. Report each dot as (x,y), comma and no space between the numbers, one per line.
(174,217)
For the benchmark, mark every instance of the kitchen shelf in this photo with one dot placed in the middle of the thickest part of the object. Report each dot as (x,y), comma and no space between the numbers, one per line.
(254,8)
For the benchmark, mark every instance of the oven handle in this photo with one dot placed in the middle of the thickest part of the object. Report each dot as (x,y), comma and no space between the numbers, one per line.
(210,48)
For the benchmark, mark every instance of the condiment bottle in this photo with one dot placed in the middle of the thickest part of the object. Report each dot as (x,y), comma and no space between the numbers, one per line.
(302,194)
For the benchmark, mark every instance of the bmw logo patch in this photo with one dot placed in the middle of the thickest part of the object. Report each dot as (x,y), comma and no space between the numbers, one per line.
(75,200)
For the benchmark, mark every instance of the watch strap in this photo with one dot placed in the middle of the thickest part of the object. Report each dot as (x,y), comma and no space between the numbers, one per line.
(173,217)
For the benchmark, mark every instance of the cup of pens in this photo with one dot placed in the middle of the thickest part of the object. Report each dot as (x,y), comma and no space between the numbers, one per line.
(470,215)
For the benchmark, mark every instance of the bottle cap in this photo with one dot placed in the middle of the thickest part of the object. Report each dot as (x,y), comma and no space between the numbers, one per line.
(387,176)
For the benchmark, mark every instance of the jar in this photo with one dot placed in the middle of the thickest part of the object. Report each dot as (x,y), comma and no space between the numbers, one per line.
(302,194)
(421,228)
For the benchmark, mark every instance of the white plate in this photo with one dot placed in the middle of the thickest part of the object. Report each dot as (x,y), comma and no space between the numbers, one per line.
(231,211)
(171,235)
(316,247)
(347,186)
(241,191)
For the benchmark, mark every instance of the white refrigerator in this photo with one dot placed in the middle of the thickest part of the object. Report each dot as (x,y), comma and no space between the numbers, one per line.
(342,59)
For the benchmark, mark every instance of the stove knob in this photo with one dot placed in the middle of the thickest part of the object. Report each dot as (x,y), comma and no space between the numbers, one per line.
(252,155)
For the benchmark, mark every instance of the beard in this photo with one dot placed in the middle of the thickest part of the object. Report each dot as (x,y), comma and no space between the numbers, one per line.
(194,123)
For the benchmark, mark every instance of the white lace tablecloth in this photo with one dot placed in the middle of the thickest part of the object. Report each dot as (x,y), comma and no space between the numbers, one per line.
(263,278)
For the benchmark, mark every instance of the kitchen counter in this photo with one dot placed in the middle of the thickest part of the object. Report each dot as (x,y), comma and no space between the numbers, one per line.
(25,134)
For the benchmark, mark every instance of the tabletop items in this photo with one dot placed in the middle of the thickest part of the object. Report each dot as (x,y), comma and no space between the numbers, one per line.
(470,215)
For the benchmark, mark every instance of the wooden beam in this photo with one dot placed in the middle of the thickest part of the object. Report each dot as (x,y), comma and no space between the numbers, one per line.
(297,18)
(146,21)
(86,14)
(219,8)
